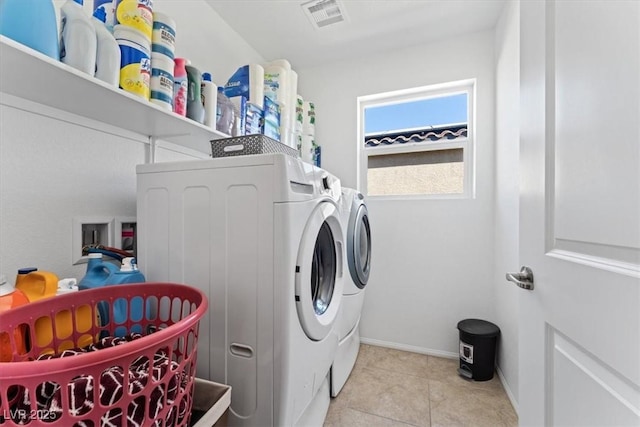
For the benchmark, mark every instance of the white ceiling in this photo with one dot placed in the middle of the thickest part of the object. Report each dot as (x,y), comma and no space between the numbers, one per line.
(280,29)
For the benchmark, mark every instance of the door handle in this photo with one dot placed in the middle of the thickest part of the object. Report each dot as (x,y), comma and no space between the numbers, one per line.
(524,279)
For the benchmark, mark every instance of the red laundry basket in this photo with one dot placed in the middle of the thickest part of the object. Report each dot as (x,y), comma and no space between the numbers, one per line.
(148,381)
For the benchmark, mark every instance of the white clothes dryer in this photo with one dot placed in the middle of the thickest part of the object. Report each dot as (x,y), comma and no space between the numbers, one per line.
(261,235)
(357,254)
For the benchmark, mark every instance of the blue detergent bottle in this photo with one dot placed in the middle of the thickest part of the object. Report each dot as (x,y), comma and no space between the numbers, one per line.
(100,273)
(32,23)
(97,275)
(128,273)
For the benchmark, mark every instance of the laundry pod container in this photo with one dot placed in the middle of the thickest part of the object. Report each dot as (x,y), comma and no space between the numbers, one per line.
(478,342)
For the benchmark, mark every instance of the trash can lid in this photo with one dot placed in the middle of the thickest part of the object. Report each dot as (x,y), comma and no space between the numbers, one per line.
(478,327)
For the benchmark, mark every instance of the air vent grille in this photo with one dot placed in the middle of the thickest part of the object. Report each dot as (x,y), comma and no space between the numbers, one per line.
(323,13)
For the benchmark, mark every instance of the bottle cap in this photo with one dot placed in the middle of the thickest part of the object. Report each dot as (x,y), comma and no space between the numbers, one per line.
(100,15)
(129,264)
(179,64)
(66,286)
(206,77)
(27,270)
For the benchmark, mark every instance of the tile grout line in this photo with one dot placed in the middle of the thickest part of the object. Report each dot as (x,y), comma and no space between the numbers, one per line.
(430,413)
(470,384)
(386,418)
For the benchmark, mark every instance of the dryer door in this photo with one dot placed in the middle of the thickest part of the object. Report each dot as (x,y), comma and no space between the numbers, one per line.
(319,272)
(359,246)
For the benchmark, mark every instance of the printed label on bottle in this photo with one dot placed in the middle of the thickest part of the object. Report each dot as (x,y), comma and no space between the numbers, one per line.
(167,37)
(166,83)
(137,14)
(135,72)
(180,96)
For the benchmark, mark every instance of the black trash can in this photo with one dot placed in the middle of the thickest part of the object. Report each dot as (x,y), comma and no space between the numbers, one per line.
(478,342)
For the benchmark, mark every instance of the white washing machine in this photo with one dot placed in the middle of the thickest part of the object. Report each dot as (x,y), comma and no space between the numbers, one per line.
(261,235)
(357,255)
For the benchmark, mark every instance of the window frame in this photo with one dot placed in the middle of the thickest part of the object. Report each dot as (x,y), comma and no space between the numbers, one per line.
(467,143)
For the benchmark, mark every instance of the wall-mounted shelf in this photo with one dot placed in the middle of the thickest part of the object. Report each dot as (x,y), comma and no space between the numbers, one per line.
(28,74)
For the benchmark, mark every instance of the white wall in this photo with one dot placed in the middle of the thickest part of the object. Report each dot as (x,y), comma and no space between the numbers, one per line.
(432,259)
(55,166)
(507,45)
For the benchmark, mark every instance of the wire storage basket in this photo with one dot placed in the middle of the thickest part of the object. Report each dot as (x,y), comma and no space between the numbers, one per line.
(72,366)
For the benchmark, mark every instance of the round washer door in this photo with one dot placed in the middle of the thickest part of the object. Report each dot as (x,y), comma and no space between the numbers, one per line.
(359,246)
(319,272)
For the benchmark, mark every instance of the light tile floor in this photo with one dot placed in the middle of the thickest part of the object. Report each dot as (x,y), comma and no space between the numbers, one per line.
(397,388)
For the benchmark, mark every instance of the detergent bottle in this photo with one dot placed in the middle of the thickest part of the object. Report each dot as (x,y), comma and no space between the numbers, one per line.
(101,273)
(98,272)
(195,109)
(180,86)
(84,319)
(10,297)
(97,275)
(209,92)
(128,273)
(107,50)
(22,272)
(36,285)
(32,23)
(67,286)
(78,40)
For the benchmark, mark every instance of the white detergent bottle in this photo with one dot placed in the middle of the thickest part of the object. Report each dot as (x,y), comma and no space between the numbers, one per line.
(107,52)
(209,94)
(67,286)
(78,43)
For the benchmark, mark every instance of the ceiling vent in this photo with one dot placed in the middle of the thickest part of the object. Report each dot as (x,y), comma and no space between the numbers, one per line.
(323,13)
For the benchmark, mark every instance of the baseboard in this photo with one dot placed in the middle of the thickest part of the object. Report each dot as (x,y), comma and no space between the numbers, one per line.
(507,389)
(411,348)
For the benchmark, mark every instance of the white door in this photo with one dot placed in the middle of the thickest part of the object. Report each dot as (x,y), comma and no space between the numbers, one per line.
(580,213)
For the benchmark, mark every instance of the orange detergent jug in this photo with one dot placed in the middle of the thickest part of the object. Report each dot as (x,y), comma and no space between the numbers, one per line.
(35,284)
(10,297)
(38,285)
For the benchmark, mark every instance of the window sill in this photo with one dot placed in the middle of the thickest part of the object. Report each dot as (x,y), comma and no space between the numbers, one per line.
(419,197)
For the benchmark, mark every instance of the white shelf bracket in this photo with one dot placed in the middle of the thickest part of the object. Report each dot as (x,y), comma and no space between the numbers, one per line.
(153,145)
(154,142)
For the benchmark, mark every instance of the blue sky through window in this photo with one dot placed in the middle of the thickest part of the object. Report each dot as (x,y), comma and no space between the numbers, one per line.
(416,114)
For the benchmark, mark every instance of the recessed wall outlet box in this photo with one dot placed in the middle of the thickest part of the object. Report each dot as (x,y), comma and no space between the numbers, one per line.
(90,231)
(125,234)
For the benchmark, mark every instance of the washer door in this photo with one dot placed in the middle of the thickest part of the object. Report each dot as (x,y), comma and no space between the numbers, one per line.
(319,272)
(359,246)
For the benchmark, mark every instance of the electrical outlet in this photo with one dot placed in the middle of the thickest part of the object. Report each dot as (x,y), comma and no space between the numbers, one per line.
(126,234)
(90,231)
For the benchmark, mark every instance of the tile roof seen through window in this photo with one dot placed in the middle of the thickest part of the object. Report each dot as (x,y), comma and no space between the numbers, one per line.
(428,134)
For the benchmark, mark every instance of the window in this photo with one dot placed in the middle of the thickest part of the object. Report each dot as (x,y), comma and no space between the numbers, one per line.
(418,142)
